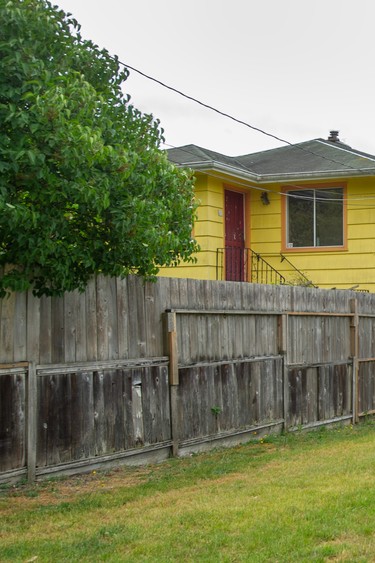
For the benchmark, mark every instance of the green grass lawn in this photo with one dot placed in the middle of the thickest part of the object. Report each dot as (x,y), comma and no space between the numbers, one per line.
(300,497)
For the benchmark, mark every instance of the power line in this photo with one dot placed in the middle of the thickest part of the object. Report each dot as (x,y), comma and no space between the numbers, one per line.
(224,114)
(262,131)
(229,116)
(208,106)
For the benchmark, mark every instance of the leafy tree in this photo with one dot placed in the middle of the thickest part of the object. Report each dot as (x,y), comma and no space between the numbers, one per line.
(84,186)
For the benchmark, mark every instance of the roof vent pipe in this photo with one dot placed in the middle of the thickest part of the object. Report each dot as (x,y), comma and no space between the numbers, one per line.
(334,136)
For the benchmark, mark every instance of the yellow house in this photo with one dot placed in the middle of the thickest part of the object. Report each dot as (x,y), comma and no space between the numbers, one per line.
(299,214)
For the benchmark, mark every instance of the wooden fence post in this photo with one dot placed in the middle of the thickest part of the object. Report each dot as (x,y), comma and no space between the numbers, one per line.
(173,377)
(31,422)
(354,349)
(283,350)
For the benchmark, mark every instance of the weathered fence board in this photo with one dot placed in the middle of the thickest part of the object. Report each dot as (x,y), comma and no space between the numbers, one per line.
(229,396)
(122,318)
(225,335)
(82,427)
(317,394)
(12,419)
(97,412)
(366,403)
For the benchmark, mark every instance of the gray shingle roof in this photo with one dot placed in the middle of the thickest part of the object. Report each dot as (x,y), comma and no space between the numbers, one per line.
(318,157)
(191,154)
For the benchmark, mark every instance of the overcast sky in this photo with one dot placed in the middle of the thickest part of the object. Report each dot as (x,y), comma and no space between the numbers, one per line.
(294,68)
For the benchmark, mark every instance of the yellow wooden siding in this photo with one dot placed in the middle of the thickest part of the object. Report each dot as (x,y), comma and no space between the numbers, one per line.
(262,236)
(208,231)
(210,213)
(362,216)
(337,268)
(196,271)
(266,224)
(214,228)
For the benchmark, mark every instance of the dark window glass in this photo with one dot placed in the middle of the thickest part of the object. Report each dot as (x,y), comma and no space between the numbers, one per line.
(315,218)
(301,218)
(329,217)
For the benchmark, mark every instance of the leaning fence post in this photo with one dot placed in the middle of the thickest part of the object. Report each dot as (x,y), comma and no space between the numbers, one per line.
(173,377)
(354,349)
(31,422)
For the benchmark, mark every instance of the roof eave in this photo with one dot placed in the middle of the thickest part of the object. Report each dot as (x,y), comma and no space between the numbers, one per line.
(318,175)
(206,166)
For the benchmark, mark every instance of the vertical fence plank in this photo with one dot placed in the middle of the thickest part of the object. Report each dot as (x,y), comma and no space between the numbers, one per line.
(283,349)
(31,422)
(70,325)
(45,350)
(20,328)
(33,328)
(102,317)
(255,392)
(153,320)
(243,382)
(323,393)
(354,348)
(155,404)
(99,413)
(81,329)
(113,353)
(57,330)
(91,321)
(311,395)
(137,326)
(82,415)
(7,326)
(172,340)
(122,318)
(12,418)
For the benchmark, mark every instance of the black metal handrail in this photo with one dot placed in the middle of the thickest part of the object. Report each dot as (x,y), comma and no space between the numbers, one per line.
(243,264)
(232,264)
(301,278)
(263,272)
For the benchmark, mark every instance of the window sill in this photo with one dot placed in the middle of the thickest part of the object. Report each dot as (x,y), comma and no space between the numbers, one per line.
(313,249)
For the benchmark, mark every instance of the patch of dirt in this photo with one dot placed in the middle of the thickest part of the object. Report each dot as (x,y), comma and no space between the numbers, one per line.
(54,491)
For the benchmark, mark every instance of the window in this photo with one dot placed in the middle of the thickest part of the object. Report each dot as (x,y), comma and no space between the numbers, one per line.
(315,218)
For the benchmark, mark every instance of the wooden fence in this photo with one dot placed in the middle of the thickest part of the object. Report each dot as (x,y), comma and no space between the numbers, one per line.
(133,372)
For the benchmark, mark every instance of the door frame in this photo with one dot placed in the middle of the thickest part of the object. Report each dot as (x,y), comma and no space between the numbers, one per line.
(246,222)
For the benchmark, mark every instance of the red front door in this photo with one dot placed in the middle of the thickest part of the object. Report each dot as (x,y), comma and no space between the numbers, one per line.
(234,236)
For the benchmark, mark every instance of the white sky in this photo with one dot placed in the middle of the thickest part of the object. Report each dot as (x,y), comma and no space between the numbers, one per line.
(294,68)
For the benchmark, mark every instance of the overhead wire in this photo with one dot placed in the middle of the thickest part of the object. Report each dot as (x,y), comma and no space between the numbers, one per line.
(253,127)
(231,117)
(222,113)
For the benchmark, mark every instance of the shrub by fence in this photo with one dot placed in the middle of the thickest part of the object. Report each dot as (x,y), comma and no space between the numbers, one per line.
(131,371)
